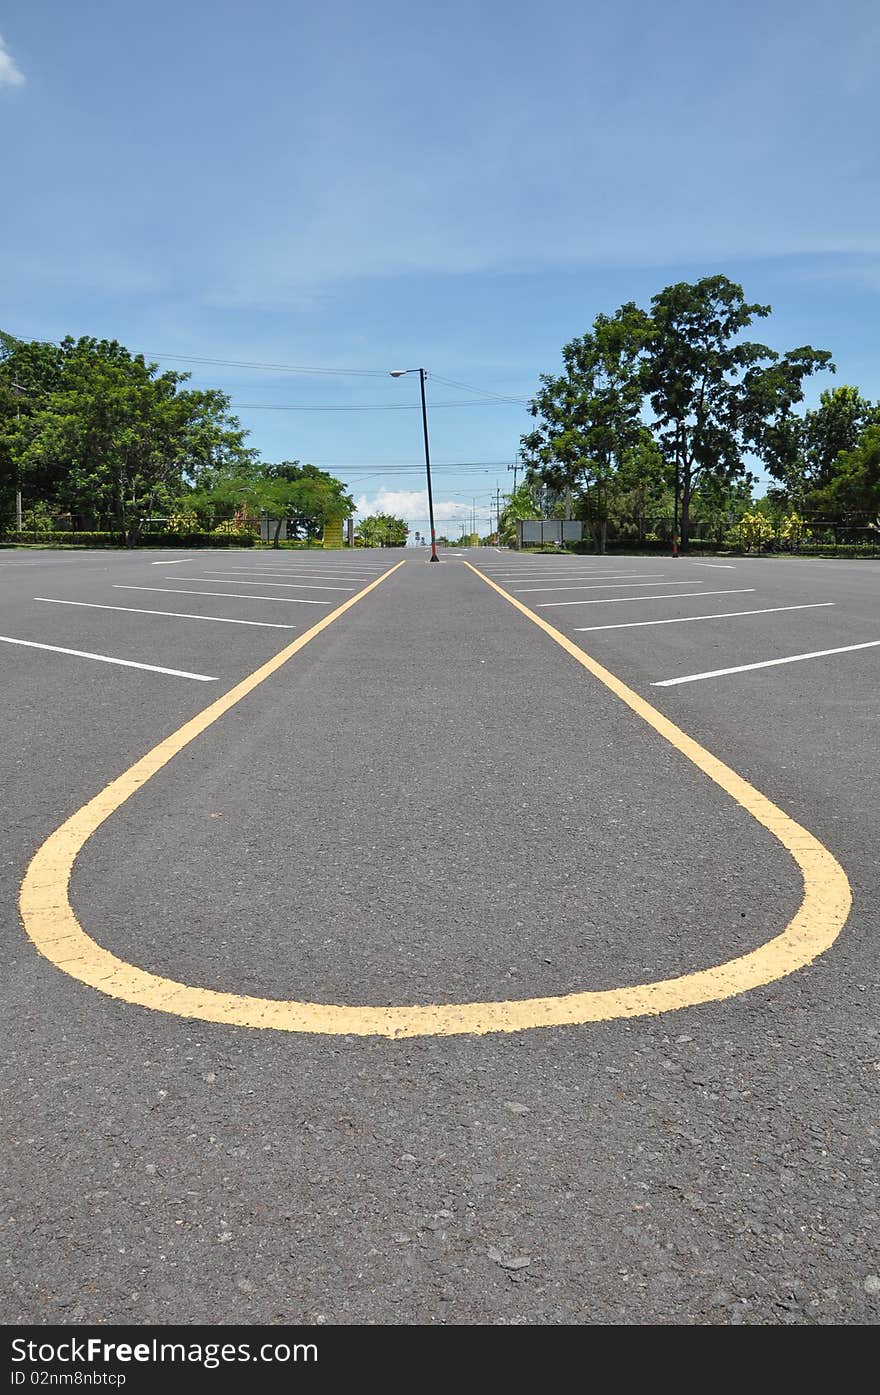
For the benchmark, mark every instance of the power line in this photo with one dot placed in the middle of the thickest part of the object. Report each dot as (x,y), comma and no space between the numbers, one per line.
(240,363)
(362,406)
(271,367)
(485,392)
(264,367)
(406,464)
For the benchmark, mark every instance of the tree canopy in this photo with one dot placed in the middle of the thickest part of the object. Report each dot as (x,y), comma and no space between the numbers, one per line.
(95,433)
(675,400)
(98,432)
(382,530)
(301,495)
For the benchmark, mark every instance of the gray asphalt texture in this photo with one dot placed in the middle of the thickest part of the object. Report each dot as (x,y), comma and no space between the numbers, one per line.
(433,803)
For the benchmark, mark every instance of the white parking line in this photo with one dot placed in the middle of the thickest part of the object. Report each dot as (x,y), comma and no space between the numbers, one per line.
(524,575)
(604,585)
(174,614)
(686,619)
(718,566)
(767,663)
(226,595)
(279,568)
(271,571)
(176,563)
(586,576)
(106,659)
(216,578)
(677,596)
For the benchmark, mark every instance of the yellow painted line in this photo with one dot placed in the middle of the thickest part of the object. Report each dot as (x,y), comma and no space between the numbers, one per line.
(50,921)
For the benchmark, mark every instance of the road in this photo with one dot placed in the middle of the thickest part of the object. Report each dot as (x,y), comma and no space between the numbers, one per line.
(289,1049)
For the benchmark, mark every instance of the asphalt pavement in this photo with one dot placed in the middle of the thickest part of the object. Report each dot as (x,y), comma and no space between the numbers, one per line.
(431,802)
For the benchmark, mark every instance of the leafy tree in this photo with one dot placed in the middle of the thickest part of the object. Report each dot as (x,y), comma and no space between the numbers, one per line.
(854,488)
(718,506)
(105,434)
(302,494)
(642,487)
(520,504)
(770,426)
(318,496)
(836,426)
(382,530)
(588,416)
(28,372)
(713,393)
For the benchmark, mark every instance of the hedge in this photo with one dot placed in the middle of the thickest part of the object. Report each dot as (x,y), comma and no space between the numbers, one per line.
(75,539)
(649,547)
(696,549)
(817,549)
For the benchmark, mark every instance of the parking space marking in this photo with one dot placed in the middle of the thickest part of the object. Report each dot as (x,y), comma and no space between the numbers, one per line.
(295,569)
(173,614)
(106,659)
(216,579)
(676,596)
(271,571)
(685,619)
(225,595)
(765,663)
(525,575)
(602,586)
(585,576)
(717,566)
(51,923)
(176,563)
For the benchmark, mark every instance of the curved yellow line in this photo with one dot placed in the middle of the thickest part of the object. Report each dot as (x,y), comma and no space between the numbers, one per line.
(50,921)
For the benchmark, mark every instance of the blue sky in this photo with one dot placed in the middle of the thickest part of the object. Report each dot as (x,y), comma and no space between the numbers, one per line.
(462,187)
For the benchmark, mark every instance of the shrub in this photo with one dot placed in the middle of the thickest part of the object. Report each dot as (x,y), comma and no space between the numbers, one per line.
(754,529)
(185,521)
(80,539)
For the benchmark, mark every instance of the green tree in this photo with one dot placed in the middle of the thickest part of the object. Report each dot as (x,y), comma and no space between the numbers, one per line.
(589,416)
(382,530)
(835,427)
(318,496)
(770,425)
(300,494)
(106,435)
(520,504)
(854,488)
(642,493)
(28,372)
(713,393)
(718,505)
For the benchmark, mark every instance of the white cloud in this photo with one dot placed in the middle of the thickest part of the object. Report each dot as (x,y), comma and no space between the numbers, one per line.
(10,73)
(411,505)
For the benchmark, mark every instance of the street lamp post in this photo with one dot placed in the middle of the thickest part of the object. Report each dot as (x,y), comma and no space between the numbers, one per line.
(401,373)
